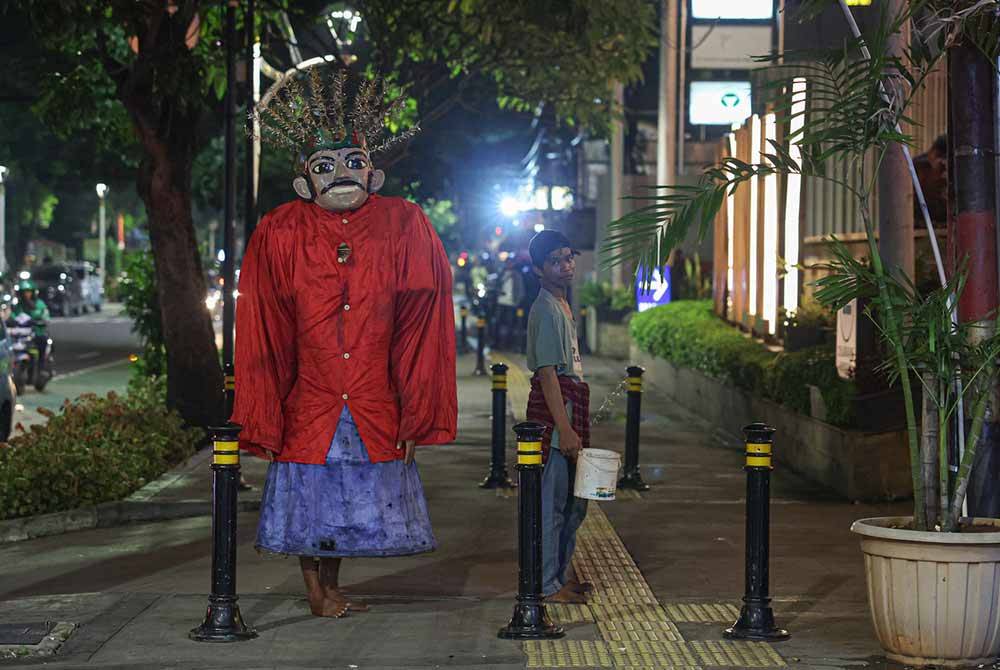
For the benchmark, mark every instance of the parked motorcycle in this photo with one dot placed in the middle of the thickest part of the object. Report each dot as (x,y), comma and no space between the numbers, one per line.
(26,353)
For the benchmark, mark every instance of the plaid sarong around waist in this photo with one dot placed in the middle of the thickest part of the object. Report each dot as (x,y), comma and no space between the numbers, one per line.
(574,391)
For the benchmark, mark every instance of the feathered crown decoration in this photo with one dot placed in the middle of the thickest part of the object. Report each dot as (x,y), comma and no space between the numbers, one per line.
(306,114)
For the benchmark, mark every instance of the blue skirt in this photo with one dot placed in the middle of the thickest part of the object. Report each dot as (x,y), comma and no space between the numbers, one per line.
(347,507)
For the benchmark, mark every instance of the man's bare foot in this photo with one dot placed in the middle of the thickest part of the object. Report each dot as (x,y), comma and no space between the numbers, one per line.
(352,605)
(321,601)
(567,595)
(329,579)
(329,607)
(580,587)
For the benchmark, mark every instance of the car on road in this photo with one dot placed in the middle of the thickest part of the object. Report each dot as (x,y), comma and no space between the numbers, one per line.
(8,392)
(90,285)
(59,287)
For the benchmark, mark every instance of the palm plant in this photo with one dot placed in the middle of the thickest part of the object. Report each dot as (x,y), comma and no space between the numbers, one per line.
(856,107)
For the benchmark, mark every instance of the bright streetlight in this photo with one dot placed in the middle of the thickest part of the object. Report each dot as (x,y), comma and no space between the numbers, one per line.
(102,191)
(3,220)
(509,206)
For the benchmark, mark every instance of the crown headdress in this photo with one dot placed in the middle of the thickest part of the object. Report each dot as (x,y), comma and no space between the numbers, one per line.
(305,114)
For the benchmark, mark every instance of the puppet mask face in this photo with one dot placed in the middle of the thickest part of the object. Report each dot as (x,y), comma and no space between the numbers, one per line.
(338,179)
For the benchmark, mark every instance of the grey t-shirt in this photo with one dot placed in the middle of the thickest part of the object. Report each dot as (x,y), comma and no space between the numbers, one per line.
(552,337)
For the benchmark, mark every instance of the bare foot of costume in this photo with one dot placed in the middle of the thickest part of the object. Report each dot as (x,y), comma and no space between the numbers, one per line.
(345,345)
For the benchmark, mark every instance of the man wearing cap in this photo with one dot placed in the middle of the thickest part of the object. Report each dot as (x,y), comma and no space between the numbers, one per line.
(560,400)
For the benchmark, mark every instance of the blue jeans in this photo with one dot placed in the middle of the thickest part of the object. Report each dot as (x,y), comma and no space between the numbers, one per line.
(562,514)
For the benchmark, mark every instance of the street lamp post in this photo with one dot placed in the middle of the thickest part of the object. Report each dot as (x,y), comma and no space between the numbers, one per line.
(102,191)
(3,220)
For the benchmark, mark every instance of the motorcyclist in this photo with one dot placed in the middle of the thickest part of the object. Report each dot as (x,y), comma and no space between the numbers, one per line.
(31,306)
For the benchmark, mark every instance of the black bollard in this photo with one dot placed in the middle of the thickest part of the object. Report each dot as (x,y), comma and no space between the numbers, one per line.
(520,332)
(756,620)
(530,621)
(463,342)
(480,347)
(498,477)
(631,477)
(223,621)
(583,343)
(229,389)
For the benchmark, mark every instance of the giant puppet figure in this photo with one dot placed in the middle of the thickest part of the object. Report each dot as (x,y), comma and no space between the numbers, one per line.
(345,344)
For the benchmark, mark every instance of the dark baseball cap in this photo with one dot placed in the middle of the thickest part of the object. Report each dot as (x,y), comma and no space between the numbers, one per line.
(544,243)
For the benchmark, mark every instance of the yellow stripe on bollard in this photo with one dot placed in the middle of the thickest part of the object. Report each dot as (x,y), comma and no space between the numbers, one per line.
(753,448)
(758,461)
(529,453)
(500,385)
(226,453)
(230,382)
(480,323)
(635,384)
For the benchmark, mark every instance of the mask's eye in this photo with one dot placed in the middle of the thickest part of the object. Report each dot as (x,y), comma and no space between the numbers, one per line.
(357,163)
(323,168)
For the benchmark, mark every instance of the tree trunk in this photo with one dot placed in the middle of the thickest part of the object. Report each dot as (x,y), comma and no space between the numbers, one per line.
(895,189)
(972,172)
(194,375)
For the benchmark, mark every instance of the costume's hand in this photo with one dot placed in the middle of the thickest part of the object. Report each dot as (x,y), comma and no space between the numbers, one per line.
(411,450)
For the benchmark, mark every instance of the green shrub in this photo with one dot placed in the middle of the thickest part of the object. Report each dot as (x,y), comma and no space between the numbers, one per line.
(612,304)
(688,334)
(811,314)
(94,450)
(142,305)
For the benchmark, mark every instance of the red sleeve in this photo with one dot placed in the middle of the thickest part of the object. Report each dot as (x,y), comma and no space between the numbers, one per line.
(265,340)
(423,345)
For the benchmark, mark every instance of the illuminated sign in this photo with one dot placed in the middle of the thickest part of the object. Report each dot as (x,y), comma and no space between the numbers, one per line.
(719,103)
(730,47)
(656,294)
(733,9)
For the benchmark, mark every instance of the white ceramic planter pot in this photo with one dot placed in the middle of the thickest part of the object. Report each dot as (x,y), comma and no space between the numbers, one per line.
(934,597)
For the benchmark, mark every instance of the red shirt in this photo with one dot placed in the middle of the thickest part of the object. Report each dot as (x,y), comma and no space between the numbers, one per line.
(376,332)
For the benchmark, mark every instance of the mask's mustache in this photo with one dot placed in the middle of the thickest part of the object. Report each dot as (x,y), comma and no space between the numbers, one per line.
(342,182)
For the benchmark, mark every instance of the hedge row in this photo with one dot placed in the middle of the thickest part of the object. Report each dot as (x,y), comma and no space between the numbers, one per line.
(94,450)
(687,333)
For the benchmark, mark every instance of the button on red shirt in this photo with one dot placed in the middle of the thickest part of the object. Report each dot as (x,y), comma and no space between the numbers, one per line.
(375,332)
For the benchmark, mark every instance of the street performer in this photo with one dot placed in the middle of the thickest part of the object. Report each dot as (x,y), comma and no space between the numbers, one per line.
(345,343)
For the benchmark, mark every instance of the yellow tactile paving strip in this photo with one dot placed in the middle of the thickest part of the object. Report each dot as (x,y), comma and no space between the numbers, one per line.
(703,613)
(636,631)
(570,613)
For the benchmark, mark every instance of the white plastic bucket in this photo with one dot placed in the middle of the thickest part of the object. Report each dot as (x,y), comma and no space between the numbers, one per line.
(596,474)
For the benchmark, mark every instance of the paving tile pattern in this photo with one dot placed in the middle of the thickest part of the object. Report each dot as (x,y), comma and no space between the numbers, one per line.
(636,631)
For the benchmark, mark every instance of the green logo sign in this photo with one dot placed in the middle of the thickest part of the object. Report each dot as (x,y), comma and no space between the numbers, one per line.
(730,100)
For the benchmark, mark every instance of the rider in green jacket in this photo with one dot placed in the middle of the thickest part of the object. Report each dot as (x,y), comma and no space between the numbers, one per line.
(31,305)
(35,308)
